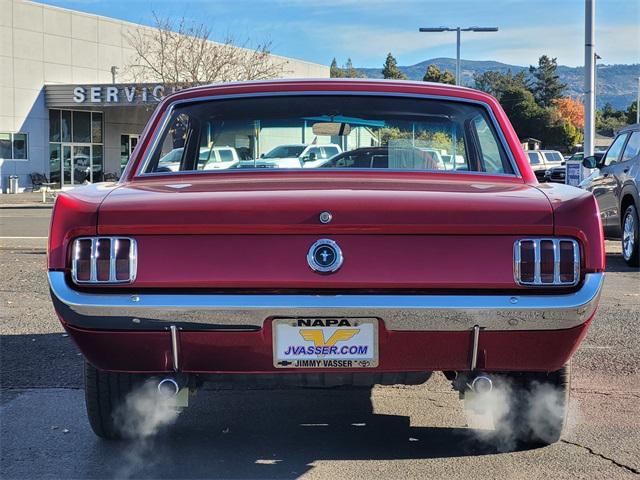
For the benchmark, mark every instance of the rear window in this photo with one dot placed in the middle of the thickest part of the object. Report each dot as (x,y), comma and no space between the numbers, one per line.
(534,159)
(553,156)
(331,132)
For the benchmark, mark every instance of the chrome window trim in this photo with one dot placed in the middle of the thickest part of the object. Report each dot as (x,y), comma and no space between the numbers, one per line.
(157,311)
(140,172)
(537,279)
(93,276)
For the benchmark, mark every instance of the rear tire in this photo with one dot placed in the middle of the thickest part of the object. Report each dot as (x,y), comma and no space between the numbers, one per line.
(539,406)
(104,392)
(630,237)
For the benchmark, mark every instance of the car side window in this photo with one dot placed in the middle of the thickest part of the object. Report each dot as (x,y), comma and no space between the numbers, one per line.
(491,156)
(633,147)
(533,158)
(330,152)
(314,151)
(613,154)
(226,155)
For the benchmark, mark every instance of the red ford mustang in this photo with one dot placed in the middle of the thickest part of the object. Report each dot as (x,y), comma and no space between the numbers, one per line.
(407,235)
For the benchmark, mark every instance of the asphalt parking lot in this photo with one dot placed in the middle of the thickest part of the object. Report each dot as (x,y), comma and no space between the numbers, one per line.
(387,432)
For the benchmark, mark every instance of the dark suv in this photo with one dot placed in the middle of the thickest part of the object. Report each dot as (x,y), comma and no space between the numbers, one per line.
(615,186)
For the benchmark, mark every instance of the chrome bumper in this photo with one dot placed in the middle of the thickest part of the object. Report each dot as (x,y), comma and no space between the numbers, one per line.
(149,311)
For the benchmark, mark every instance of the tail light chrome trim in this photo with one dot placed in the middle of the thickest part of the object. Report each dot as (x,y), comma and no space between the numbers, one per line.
(537,277)
(114,245)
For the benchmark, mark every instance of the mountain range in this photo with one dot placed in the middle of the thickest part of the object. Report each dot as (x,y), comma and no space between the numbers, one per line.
(615,84)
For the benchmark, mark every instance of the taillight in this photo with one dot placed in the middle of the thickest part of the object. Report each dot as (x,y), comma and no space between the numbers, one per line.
(104,260)
(547,262)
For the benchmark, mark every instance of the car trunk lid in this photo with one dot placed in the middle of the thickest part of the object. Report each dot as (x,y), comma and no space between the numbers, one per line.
(239,234)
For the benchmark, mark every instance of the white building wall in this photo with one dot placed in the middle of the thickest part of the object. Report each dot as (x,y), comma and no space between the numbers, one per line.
(42,44)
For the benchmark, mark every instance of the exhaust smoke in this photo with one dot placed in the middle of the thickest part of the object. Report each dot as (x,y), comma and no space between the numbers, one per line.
(512,412)
(147,409)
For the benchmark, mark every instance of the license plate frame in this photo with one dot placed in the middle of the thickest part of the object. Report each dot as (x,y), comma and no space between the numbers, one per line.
(319,333)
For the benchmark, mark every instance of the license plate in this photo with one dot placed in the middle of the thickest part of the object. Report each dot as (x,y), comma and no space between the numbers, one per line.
(325,343)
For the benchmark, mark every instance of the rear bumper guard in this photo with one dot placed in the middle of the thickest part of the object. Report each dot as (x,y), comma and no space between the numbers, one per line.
(153,311)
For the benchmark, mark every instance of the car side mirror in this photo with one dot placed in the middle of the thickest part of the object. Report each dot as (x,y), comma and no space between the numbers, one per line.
(590,162)
(262,155)
(309,158)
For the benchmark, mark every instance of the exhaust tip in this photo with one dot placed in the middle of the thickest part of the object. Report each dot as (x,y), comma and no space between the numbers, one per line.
(482,384)
(168,387)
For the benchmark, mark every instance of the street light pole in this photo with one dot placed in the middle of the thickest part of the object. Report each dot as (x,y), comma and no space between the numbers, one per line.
(589,76)
(458,30)
(638,103)
(458,56)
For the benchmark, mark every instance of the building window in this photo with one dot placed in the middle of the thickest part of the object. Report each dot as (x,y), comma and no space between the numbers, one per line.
(96,127)
(65,126)
(14,146)
(54,125)
(76,147)
(127,143)
(81,127)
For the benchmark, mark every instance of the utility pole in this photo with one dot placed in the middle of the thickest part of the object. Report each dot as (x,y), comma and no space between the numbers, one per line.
(458,69)
(589,76)
(458,30)
(638,103)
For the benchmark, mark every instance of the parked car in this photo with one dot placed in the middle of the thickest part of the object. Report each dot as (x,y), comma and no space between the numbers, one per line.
(219,158)
(543,160)
(328,276)
(615,186)
(383,157)
(298,155)
(213,158)
(558,174)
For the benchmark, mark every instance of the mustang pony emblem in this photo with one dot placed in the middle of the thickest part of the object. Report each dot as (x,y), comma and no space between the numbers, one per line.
(317,336)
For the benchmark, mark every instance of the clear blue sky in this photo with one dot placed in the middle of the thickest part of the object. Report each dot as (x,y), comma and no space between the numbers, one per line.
(365,30)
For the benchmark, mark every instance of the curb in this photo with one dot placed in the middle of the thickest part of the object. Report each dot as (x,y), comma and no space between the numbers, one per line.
(26,205)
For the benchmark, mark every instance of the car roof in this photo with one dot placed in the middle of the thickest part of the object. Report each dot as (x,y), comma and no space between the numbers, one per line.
(630,128)
(331,85)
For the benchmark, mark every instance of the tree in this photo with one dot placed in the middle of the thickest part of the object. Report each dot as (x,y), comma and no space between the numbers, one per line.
(527,117)
(632,113)
(448,77)
(547,86)
(609,120)
(571,110)
(433,74)
(495,83)
(349,71)
(346,71)
(390,69)
(334,70)
(180,53)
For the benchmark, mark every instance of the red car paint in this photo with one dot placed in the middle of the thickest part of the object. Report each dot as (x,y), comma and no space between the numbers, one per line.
(400,351)
(441,231)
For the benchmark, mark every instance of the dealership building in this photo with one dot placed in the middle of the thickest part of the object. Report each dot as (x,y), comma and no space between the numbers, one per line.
(61,113)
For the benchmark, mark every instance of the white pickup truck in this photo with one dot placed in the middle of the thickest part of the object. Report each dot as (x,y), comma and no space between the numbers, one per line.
(299,155)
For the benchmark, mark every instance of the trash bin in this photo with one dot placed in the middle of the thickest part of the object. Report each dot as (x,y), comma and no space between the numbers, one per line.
(13,183)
